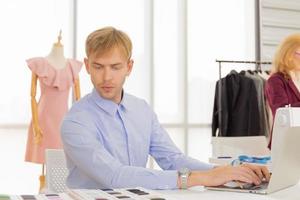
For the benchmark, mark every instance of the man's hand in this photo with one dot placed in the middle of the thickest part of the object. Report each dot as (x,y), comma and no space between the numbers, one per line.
(220,175)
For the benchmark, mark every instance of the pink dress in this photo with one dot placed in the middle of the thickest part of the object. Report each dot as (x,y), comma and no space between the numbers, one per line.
(55,85)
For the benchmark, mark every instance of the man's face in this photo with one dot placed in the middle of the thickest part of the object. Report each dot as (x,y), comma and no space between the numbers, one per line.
(108,73)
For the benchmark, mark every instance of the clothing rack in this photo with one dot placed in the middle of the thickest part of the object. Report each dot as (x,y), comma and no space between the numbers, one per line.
(258,64)
(258,67)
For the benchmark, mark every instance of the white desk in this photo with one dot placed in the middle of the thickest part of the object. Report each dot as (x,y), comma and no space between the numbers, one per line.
(195,193)
(200,193)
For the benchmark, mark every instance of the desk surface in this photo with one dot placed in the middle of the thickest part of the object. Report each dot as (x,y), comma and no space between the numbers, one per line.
(197,193)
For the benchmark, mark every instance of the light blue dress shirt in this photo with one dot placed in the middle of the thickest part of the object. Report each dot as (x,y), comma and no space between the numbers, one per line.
(107,146)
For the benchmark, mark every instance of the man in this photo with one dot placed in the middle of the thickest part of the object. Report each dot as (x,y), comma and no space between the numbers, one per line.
(108,134)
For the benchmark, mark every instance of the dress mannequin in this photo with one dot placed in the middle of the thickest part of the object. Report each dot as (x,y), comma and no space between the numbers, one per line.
(56,56)
(56,75)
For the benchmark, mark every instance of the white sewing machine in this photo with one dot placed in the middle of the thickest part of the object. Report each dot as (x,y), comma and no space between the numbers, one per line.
(285,118)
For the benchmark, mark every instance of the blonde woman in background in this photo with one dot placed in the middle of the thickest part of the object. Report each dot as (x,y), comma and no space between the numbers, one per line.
(283,87)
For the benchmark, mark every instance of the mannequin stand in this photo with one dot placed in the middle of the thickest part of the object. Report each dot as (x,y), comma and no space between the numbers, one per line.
(42,179)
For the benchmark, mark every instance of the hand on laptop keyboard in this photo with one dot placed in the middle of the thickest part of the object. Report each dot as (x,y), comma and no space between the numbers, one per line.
(247,173)
(246,186)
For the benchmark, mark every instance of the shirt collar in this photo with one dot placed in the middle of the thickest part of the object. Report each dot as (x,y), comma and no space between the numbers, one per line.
(109,106)
(125,102)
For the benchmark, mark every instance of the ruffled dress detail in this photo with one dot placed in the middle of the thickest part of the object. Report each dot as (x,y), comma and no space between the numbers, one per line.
(55,85)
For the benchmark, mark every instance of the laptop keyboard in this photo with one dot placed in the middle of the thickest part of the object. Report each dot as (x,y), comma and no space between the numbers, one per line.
(248,186)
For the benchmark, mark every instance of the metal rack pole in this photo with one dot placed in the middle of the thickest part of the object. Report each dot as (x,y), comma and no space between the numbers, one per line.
(219,133)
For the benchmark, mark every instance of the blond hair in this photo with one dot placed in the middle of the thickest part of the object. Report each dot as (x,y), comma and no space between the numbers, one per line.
(283,60)
(105,39)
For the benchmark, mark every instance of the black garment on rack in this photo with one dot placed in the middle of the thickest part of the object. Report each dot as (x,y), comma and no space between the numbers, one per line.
(239,109)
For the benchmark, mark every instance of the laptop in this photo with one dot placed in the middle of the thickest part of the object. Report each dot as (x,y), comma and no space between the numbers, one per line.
(285,164)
